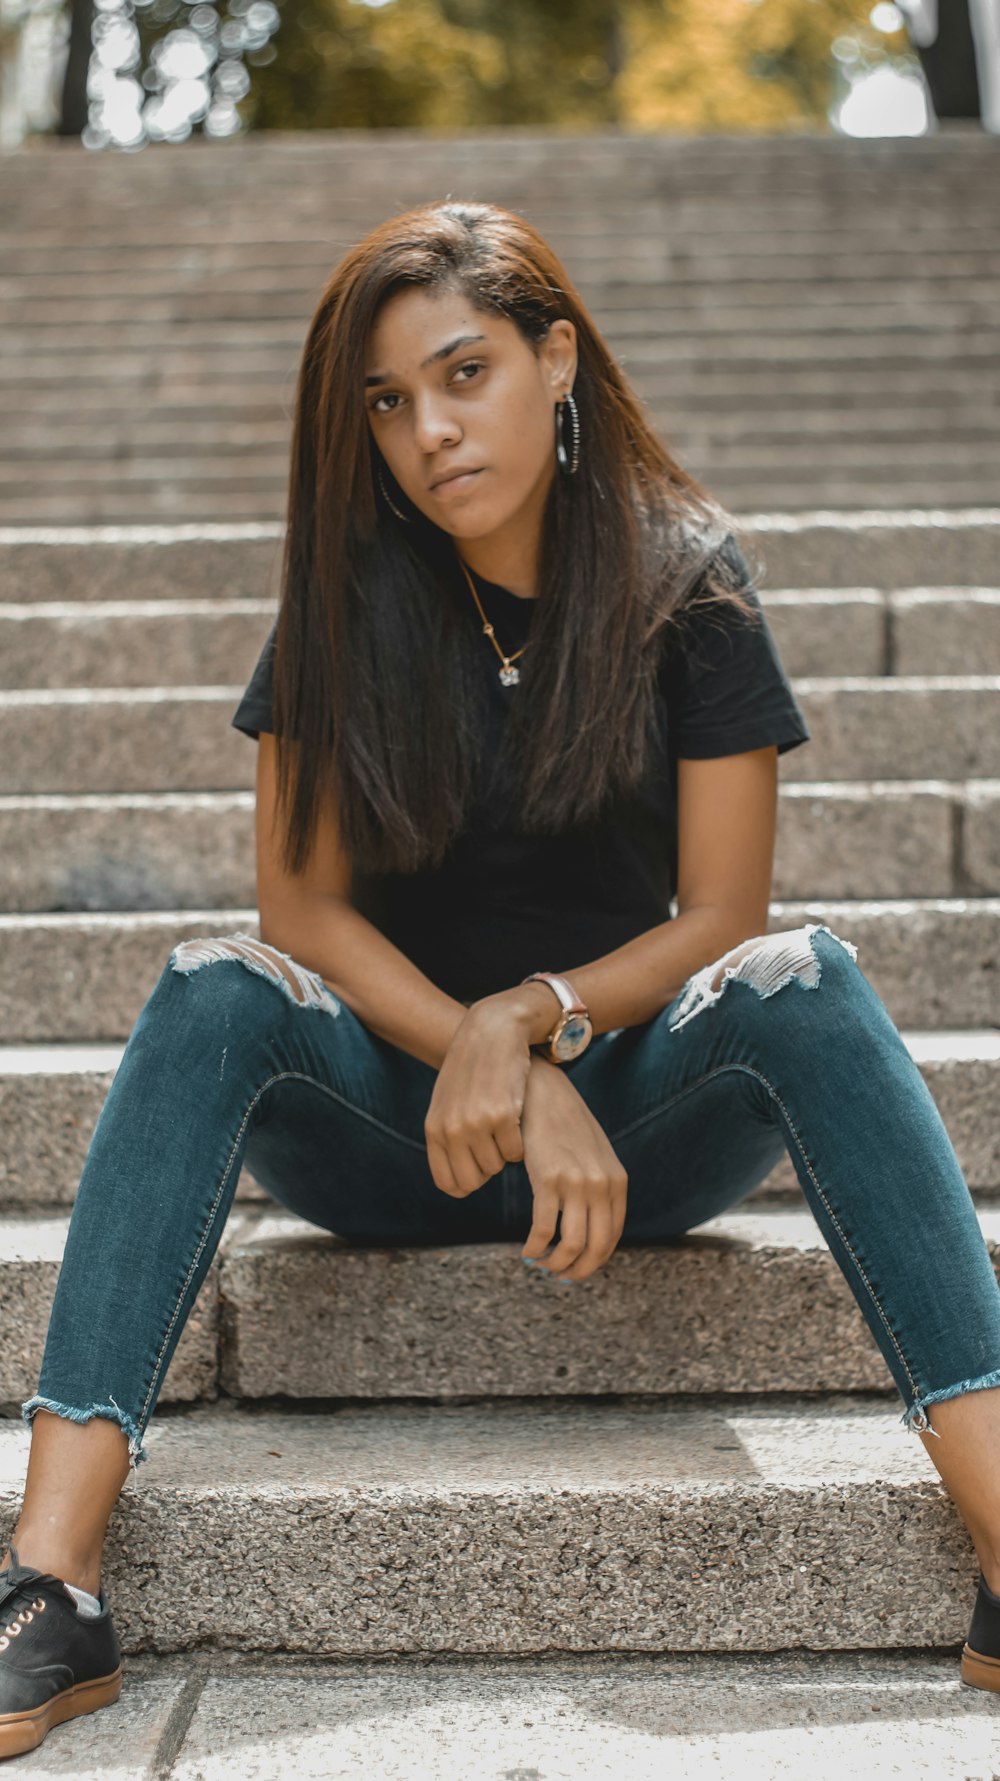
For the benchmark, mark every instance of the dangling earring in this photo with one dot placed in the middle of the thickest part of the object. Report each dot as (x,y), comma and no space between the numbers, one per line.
(405,517)
(567,464)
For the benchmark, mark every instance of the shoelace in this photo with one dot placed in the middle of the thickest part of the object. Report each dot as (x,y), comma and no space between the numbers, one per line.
(22,1580)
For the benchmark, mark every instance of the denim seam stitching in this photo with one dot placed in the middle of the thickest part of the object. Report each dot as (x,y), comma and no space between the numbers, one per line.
(324,1088)
(282,1076)
(750,1071)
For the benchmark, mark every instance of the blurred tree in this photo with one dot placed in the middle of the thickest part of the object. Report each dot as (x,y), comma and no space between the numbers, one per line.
(741,64)
(643,64)
(441,62)
(160,69)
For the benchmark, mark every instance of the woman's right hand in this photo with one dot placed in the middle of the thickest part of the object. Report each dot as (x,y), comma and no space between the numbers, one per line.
(573,1171)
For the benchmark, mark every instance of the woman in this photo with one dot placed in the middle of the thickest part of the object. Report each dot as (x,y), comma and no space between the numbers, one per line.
(520,690)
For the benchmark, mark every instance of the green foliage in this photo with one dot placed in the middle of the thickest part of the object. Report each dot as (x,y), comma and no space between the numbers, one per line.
(754,65)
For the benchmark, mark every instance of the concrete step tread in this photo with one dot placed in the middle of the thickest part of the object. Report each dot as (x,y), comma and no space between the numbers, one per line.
(526,1525)
(931,959)
(175,738)
(403,1453)
(880,548)
(590,1716)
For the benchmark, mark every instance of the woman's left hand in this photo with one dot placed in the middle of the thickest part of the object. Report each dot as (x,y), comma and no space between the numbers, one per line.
(473,1123)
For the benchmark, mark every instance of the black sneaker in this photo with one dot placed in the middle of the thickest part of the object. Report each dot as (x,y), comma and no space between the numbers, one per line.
(54,1661)
(980,1665)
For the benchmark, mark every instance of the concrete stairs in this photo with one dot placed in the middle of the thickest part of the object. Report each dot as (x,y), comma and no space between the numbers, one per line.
(421,1451)
(808,314)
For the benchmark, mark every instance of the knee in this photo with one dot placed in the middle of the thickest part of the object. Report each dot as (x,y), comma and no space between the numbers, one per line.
(768,962)
(303,987)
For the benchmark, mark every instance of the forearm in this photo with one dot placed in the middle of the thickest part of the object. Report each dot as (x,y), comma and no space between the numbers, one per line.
(632,984)
(394,998)
(375,980)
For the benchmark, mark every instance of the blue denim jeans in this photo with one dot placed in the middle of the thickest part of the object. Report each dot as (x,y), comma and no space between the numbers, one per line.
(233,1062)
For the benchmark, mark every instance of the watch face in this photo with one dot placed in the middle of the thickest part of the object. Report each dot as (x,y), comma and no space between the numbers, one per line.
(573,1038)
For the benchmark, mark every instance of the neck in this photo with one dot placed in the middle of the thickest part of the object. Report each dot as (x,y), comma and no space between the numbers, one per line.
(502,578)
(493,560)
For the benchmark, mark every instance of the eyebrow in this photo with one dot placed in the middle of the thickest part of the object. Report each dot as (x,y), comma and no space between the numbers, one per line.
(442,352)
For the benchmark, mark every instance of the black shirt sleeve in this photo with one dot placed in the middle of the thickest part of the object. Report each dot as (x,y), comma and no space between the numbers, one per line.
(253,713)
(727,690)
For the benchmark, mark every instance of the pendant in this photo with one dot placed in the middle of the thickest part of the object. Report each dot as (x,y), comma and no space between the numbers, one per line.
(509,676)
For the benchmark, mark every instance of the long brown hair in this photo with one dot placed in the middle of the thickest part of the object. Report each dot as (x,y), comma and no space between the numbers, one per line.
(378,667)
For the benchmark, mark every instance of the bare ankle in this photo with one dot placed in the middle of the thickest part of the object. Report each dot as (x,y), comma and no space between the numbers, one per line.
(60,1558)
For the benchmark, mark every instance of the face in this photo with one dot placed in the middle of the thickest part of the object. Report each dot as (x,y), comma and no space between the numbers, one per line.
(487,404)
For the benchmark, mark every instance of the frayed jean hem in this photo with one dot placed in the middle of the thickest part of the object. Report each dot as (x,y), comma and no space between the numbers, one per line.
(915,1418)
(136,1451)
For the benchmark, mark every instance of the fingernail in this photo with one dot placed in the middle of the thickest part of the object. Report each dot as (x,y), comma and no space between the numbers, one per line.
(530,1262)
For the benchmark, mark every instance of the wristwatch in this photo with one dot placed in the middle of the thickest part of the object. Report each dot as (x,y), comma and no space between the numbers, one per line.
(573,1030)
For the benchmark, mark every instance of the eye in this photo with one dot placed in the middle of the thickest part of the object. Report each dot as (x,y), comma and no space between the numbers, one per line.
(476,364)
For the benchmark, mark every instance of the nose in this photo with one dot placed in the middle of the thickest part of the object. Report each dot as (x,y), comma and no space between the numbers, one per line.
(433,423)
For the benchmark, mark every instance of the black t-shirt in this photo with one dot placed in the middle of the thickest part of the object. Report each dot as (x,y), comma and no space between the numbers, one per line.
(504,903)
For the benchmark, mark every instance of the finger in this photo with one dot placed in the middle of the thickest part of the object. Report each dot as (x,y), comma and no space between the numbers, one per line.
(468,1175)
(543,1224)
(466,1166)
(441,1169)
(486,1154)
(600,1243)
(510,1139)
(572,1237)
(463,1165)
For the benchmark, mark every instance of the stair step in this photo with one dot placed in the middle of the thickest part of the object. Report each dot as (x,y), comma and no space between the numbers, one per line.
(31,1249)
(932,960)
(244,436)
(633,338)
(173,850)
(862,551)
(619,297)
(759,1717)
(950,394)
(51,1096)
(28,480)
(205,560)
(179,738)
(307,1315)
(163,504)
(961,289)
(524,1526)
(200,641)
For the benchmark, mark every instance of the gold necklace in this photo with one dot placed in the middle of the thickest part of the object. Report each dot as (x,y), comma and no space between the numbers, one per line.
(509,675)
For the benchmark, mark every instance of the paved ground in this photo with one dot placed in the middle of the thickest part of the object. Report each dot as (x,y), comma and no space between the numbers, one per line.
(204,1717)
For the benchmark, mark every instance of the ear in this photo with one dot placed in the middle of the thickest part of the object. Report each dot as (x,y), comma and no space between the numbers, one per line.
(559,349)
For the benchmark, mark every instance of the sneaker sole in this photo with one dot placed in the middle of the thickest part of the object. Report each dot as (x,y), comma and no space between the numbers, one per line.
(25,1731)
(979,1672)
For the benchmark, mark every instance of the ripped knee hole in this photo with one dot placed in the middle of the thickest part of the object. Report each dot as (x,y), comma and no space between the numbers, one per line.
(303,987)
(768,961)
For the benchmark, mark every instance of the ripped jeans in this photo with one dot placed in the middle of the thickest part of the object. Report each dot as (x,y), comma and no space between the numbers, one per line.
(235,1060)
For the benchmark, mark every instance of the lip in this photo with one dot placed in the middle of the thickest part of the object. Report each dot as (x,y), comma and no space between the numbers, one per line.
(456,478)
